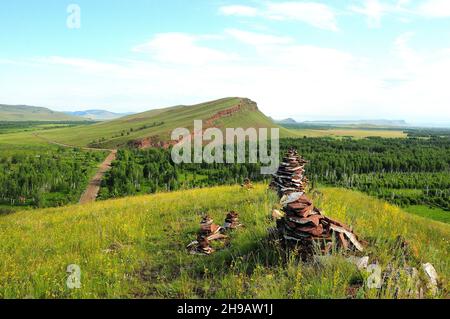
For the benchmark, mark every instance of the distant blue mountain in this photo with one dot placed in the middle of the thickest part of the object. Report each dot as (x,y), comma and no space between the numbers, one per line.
(286,121)
(375,122)
(98,115)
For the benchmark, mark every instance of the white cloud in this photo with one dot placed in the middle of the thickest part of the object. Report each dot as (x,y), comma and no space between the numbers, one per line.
(81,64)
(253,38)
(401,3)
(324,16)
(315,14)
(182,48)
(404,10)
(373,10)
(435,8)
(286,78)
(239,10)
(419,91)
(409,57)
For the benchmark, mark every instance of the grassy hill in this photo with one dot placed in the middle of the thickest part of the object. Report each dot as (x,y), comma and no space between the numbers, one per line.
(156,125)
(135,247)
(33,113)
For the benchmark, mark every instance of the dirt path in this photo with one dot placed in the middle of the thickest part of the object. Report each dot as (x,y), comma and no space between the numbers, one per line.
(91,192)
(68,145)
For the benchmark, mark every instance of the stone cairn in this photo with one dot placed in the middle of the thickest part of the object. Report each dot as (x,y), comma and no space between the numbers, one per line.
(302,224)
(247,184)
(210,232)
(232,221)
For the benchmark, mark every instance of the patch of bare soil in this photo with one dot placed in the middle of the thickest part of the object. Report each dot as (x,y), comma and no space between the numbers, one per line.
(91,192)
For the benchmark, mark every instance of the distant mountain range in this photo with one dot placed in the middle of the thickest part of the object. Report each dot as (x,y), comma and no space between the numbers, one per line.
(375,122)
(34,113)
(286,121)
(17,113)
(98,115)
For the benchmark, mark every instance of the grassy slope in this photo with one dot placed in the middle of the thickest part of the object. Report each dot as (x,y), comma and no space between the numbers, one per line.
(146,238)
(173,117)
(22,142)
(430,212)
(33,113)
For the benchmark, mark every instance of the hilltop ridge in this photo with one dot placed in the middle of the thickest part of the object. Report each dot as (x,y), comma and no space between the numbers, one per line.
(16,113)
(153,128)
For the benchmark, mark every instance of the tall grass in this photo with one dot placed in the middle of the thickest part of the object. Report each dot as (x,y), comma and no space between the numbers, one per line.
(135,248)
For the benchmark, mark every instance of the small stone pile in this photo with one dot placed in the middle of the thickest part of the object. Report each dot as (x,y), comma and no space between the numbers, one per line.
(210,232)
(207,226)
(203,246)
(232,221)
(303,223)
(247,184)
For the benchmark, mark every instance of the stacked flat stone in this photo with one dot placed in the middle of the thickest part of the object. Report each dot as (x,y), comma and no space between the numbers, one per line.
(303,223)
(290,175)
(247,184)
(232,221)
(203,245)
(207,226)
(208,232)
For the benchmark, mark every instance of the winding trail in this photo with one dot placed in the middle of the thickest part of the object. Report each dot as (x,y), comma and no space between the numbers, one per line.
(91,192)
(72,146)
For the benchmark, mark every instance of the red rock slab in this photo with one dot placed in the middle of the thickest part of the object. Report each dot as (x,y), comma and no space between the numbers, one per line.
(313,230)
(313,219)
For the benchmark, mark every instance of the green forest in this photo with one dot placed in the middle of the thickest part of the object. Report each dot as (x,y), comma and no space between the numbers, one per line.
(47,178)
(405,172)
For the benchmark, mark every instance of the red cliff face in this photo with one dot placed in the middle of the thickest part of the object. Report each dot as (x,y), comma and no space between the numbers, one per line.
(244,104)
(155,141)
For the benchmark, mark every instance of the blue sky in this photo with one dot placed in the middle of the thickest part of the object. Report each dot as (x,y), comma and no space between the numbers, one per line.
(304,59)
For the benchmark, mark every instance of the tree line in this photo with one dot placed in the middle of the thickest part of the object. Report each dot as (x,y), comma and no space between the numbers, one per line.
(376,166)
(43,179)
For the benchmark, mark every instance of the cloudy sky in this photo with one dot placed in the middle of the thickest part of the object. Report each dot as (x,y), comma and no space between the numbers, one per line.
(308,60)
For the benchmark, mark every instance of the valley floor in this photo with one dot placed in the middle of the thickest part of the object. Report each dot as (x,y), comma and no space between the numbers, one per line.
(135,248)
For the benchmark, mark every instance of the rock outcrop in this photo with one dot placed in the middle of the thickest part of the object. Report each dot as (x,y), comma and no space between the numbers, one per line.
(160,142)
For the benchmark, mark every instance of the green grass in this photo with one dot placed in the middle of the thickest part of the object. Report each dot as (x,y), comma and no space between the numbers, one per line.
(16,127)
(430,212)
(185,177)
(135,248)
(405,191)
(21,139)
